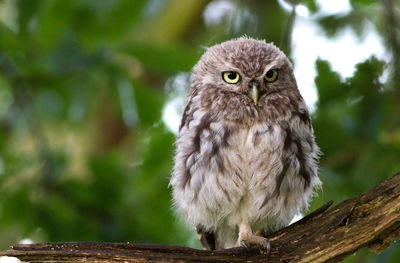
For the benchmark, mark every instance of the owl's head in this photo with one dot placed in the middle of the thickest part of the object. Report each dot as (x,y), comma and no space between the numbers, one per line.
(245,66)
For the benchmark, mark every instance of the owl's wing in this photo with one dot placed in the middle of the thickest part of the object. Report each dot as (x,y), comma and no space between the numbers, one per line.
(207,239)
(300,136)
(187,115)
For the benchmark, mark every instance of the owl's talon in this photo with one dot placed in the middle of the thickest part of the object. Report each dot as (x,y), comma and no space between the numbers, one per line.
(265,248)
(244,244)
(247,238)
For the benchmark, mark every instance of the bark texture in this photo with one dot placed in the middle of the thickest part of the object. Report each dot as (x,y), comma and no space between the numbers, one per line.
(369,220)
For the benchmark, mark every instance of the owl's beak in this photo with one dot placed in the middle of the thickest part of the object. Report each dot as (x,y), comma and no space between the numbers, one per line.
(254,93)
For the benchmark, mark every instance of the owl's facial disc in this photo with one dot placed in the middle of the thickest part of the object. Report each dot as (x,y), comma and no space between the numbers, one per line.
(254,90)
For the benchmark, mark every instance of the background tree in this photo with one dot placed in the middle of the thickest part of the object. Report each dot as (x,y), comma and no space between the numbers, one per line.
(89,92)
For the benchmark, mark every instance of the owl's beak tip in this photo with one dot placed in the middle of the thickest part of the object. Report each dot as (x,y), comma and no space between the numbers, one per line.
(254,93)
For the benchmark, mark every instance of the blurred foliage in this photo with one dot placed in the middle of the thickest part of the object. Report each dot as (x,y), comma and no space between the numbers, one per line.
(84,153)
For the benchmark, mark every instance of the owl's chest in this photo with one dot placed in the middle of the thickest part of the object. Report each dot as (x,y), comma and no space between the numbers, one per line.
(253,162)
(253,151)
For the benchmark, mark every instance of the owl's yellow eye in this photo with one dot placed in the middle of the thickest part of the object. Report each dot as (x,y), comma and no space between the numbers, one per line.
(231,77)
(271,75)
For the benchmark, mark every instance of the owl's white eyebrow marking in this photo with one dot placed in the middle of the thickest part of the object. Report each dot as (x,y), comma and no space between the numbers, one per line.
(278,63)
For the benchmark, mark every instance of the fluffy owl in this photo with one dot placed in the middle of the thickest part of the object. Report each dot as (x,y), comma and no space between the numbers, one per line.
(245,161)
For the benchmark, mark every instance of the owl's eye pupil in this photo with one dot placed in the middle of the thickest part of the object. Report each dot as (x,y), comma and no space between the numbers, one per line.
(232,75)
(269,74)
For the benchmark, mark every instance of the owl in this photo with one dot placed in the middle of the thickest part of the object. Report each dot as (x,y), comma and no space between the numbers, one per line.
(245,161)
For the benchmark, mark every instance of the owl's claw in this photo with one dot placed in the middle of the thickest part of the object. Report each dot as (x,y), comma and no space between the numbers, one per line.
(265,248)
(247,239)
(244,244)
(265,245)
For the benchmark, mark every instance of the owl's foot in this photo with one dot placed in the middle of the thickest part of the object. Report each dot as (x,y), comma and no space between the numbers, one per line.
(265,245)
(247,238)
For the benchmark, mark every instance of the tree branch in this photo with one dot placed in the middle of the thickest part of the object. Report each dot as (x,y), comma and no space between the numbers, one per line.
(369,220)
